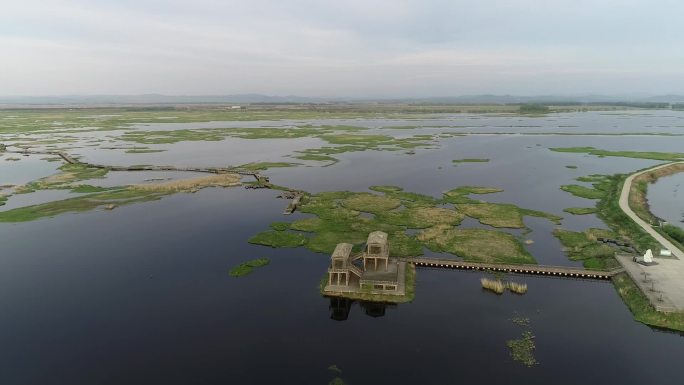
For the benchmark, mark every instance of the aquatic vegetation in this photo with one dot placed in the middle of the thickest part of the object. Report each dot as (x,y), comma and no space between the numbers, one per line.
(142,150)
(86,189)
(476,245)
(583,246)
(335,369)
(278,239)
(582,191)
(338,219)
(675,232)
(641,308)
(669,156)
(191,184)
(498,286)
(501,214)
(522,349)
(580,210)
(260,166)
(517,288)
(371,203)
(456,162)
(68,175)
(79,204)
(460,194)
(248,267)
(421,217)
(96,197)
(571,166)
(494,285)
(280,226)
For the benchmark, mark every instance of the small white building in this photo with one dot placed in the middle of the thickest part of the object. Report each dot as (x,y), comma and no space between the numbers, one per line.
(665,253)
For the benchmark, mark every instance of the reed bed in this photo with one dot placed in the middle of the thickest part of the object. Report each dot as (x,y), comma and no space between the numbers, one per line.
(518,288)
(498,286)
(494,285)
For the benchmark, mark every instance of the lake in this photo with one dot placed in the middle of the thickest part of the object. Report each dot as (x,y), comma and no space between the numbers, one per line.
(141,294)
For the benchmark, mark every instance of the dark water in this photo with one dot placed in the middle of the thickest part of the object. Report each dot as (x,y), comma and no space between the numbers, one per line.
(141,294)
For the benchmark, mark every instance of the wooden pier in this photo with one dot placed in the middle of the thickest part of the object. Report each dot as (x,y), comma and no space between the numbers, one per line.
(261,180)
(294,204)
(550,271)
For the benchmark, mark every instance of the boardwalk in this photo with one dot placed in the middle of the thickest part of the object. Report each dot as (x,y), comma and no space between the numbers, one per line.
(551,271)
(212,170)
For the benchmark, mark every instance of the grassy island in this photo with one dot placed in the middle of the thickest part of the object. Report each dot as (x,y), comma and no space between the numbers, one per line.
(345,216)
(248,267)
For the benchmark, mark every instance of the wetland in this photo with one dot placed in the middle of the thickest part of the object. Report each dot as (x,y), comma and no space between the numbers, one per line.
(114,277)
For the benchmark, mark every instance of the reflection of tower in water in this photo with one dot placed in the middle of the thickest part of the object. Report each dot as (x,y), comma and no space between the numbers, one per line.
(340,308)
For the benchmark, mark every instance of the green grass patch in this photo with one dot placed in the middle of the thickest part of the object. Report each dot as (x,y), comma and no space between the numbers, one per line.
(460,194)
(280,226)
(80,204)
(501,214)
(580,210)
(522,349)
(582,191)
(675,232)
(583,246)
(641,308)
(337,218)
(669,156)
(248,267)
(421,217)
(456,162)
(261,166)
(476,245)
(371,203)
(278,239)
(86,189)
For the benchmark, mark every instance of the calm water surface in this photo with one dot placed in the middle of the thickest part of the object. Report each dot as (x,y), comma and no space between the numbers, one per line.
(141,294)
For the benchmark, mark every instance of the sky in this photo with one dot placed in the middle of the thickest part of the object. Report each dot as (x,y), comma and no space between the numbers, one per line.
(350,48)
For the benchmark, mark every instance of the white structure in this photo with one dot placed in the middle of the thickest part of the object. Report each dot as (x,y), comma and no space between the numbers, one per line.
(648,257)
(665,253)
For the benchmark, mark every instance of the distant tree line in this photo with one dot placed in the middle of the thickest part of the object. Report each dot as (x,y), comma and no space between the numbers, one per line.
(533,109)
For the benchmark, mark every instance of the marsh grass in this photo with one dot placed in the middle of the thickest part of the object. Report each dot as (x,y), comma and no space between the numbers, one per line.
(493,285)
(248,267)
(278,239)
(668,156)
(456,162)
(641,308)
(582,191)
(522,349)
(580,210)
(498,286)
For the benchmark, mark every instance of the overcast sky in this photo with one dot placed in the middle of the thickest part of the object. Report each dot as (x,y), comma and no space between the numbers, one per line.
(362,48)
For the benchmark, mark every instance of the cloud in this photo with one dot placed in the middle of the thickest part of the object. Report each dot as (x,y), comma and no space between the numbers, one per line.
(329,48)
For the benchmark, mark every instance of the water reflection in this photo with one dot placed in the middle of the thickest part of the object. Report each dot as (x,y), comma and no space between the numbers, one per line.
(341,307)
